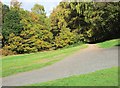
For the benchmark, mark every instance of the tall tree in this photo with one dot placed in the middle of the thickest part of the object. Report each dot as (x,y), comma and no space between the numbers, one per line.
(15,4)
(38,9)
(93,21)
(34,36)
(11,23)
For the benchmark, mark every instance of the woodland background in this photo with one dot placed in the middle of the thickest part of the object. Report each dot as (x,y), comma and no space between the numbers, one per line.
(69,23)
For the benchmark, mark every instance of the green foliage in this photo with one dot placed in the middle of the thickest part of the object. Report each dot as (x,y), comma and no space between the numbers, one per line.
(14,43)
(65,38)
(11,24)
(38,9)
(4,10)
(69,23)
(62,34)
(92,21)
(106,77)
(36,36)
(26,32)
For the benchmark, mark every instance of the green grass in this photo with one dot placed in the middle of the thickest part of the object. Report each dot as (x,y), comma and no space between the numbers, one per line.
(109,43)
(26,62)
(106,77)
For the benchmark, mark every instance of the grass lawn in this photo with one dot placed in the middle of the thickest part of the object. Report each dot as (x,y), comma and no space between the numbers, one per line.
(26,62)
(109,43)
(106,77)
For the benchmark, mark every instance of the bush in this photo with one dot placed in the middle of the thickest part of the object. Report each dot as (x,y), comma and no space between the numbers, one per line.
(6,52)
(64,38)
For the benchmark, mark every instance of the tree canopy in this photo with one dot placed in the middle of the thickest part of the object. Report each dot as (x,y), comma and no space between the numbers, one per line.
(69,23)
(92,21)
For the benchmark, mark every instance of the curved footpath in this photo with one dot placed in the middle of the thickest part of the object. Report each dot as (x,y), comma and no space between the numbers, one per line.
(84,61)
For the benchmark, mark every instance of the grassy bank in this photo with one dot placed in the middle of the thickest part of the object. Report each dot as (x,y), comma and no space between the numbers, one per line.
(109,43)
(106,77)
(26,62)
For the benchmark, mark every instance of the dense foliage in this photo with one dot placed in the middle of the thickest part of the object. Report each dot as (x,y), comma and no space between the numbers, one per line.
(69,23)
(26,32)
(91,21)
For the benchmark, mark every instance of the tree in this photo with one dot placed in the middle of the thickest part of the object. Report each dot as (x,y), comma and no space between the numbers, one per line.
(69,23)
(38,9)
(5,9)
(64,38)
(11,24)
(15,4)
(93,21)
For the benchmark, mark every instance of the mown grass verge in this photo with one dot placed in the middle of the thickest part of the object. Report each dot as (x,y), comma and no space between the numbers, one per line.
(109,43)
(26,62)
(106,77)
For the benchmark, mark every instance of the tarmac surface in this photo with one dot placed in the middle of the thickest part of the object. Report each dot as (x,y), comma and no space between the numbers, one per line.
(82,62)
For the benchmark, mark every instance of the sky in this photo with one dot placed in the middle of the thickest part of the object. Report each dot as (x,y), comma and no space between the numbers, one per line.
(28,4)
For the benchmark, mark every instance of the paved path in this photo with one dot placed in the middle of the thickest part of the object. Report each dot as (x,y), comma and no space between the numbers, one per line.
(83,61)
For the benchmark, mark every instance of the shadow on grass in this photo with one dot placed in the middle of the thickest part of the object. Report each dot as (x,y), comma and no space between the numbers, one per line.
(118,45)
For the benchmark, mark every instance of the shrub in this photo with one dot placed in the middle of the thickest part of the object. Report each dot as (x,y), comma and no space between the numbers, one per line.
(6,52)
(64,38)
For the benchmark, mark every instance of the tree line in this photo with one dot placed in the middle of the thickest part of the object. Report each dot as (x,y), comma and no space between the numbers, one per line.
(69,23)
